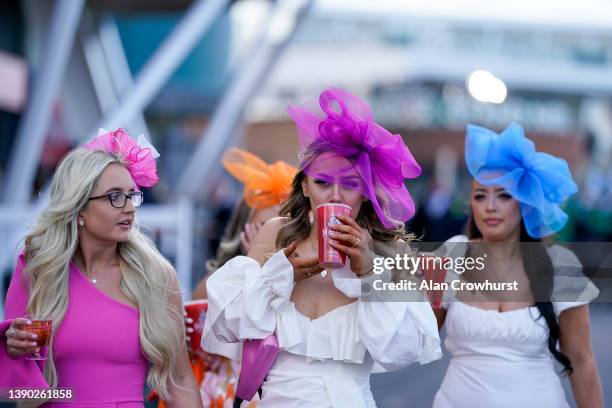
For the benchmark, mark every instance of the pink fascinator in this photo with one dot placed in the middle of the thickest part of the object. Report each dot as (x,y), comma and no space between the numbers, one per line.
(139,155)
(343,125)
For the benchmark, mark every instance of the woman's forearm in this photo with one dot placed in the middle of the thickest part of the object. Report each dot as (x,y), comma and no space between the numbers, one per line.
(586,384)
(185,394)
(200,290)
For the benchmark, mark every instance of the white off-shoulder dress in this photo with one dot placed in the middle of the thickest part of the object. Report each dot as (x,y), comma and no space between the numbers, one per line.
(323,362)
(501,359)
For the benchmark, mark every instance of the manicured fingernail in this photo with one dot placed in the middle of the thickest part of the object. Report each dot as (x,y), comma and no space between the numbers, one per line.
(29,322)
(34,336)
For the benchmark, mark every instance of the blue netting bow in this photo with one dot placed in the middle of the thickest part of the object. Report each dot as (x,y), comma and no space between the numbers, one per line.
(539,181)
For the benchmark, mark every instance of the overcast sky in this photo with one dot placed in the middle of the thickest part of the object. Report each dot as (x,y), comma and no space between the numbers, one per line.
(591,14)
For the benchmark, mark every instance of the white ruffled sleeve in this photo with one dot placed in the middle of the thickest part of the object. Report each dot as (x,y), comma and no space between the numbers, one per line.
(243,301)
(396,333)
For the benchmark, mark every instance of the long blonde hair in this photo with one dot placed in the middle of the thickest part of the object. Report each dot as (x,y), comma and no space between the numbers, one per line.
(147,278)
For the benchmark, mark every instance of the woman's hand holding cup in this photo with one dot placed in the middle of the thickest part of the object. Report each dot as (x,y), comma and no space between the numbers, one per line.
(20,342)
(303,268)
(352,240)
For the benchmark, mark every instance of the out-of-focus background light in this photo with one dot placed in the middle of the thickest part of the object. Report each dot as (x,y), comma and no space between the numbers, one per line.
(486,87)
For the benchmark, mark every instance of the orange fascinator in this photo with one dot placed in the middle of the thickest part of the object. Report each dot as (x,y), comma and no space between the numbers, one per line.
(265,185)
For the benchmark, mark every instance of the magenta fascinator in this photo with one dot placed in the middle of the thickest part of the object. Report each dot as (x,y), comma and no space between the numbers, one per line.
(343,124)
(139,155)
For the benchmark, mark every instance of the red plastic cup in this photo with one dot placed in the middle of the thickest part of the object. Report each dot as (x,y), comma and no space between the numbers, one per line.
(326,216)
(196,310)
(433,274)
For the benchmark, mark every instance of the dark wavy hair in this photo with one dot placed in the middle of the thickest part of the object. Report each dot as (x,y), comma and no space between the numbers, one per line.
(539,269)
(229,247)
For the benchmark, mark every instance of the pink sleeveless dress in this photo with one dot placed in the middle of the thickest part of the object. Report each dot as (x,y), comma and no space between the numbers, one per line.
(96,348)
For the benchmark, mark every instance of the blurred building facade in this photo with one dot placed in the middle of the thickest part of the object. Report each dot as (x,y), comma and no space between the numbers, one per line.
(414,68)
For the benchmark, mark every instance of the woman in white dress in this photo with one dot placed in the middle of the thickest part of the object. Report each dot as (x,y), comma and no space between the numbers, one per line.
(330,337)
(503,349)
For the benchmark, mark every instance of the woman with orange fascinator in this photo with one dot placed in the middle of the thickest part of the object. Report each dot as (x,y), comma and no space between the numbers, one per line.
(266,186)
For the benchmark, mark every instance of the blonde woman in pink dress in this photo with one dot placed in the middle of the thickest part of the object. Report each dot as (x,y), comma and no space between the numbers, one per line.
(114,300)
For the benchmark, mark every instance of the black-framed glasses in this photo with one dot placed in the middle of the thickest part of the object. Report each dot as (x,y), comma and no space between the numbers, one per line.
(118,199)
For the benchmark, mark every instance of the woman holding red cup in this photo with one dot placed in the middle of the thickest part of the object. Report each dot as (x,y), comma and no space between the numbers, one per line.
(266,186)
(349,195)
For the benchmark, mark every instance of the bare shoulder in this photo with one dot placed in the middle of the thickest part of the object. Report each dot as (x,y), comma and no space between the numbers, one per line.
(264,242)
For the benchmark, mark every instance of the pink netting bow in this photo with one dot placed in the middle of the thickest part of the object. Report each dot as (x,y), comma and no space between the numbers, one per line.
(139,155)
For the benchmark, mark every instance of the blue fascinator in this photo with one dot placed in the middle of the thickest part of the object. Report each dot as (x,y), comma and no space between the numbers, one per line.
(540,182)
